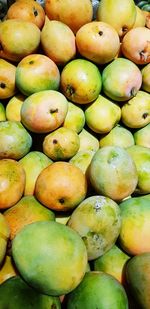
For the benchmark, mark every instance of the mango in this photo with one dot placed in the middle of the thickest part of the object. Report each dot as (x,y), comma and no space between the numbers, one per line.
(98,290)
(15,293)
(134,237)
(138,278)
(50,256)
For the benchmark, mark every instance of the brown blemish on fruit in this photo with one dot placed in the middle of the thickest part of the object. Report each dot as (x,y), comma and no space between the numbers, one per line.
(52,111)
(124,29)
(35,12)
(31,62)
(2,85)
(54,141)
(100,33)
(70,90)
(61,200)
(145,53)
(145,115)
(133,91)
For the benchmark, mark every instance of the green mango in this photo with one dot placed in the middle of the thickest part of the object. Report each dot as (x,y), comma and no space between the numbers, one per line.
(15,293)
(98,291)
(138,278)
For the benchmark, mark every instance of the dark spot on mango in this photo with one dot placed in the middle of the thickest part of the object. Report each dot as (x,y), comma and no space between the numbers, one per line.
(31,62)
(133,91)
(70,90)
(35,12)
(54,141)
(97,206)
(52,111)
(124,29)
(143,55)
(100,33)
(145,115)
(2,85)
(61,200)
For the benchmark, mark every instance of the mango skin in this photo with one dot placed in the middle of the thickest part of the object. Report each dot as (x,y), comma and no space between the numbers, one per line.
(121,15)
(75,118)
(16,294)
(145,77)
(141,136)
(41,70)
(19,38)
(15,140)
(80,81)
(98,290)
(26,211)
(134,235)
(118,136)
(102,115)
(4,235)
(97,220)
(33,163)
(112,172)
(138,278)
(112,262)
(50,256)
(7,269)
(141,158)
(2,112)
(121,79)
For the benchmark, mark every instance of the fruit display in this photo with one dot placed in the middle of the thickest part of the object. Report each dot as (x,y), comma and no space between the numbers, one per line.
(75,154)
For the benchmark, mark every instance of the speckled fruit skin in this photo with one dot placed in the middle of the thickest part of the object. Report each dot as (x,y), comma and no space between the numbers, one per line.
(97,220)
(50,256)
